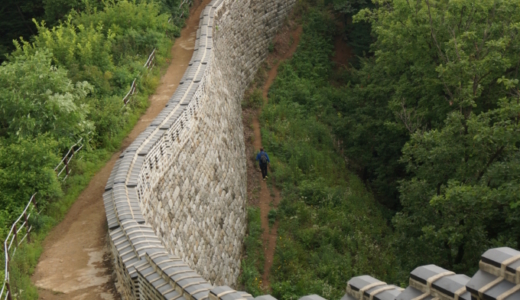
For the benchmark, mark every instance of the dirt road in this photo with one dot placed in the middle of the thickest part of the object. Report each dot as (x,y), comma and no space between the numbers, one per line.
(75,263)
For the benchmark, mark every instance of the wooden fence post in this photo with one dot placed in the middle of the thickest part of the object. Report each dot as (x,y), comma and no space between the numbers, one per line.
(7,275)
(27,224)
(8,291)
(66,166)
(15,234)
(35,204)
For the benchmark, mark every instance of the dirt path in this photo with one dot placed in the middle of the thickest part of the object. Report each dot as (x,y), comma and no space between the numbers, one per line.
(75,263)
(285,44)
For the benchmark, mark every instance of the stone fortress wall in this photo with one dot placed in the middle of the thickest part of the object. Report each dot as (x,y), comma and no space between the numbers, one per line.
(175,200)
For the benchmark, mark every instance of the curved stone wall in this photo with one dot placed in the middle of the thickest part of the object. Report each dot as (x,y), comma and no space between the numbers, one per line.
(175,201)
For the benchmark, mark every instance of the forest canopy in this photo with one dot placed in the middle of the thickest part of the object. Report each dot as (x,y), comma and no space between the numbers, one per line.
(431,121)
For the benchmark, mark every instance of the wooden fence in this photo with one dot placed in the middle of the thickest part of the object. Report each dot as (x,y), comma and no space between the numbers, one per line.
(150,63)
(20,231)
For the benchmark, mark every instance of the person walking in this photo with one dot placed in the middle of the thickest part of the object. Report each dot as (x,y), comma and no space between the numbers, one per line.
(263,160)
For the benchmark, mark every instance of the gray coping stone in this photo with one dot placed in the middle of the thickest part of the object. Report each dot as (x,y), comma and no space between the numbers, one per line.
(411,293)
(269,297)
(165,113)
(479,280)
(190,94)
(386,295)
(110,210)
(135,172)
(173,102)
(236,295)
(422,273)
(181,90)
(172,295)
(312,297)
(122,171)
(200,75)
(151,142)
(482,278)
(501,288)
(201,43)
(171,121)
(186,283)
(359,282)
(193,61)
(345,297)
(172,270)
(450,284)
(110,181)
(209,44)
(496,256)
(190,73)
(181,277)
(220,289)
(140,139)
(201,289)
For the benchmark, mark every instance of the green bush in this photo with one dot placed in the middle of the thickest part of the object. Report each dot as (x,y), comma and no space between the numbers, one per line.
(271,216)
(65,83)
(254,100)
(331,229)
(253,263)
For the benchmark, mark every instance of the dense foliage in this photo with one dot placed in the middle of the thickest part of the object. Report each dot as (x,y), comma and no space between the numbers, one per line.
(429,120)
(18,18)
(331,229)
(66,83)
(432,121)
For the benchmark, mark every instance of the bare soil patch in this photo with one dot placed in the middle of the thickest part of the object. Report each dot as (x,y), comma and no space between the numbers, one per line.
(75,263)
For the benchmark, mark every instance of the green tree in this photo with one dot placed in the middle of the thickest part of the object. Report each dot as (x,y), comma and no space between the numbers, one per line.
(444,61)
(26,167)
(465,192)
(432,57)
(38,98)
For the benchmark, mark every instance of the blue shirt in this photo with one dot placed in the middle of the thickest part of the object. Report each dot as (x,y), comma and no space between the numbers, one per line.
(259,155)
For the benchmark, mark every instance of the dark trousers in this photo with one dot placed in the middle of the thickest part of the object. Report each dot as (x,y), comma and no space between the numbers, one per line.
(263,167)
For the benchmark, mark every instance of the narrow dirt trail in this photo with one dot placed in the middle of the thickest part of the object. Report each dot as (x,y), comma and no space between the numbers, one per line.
(286,43)
(75,263)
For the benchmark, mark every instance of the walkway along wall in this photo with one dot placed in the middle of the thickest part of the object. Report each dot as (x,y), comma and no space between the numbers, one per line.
(175,201)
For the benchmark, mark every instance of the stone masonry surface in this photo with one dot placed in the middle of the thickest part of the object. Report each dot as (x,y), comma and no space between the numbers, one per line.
(198,206)
(175,200)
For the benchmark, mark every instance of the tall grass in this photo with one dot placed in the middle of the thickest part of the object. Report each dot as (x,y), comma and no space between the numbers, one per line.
(331,228)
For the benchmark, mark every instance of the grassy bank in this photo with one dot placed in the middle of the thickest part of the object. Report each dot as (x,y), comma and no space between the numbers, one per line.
(331,228)
(253,263)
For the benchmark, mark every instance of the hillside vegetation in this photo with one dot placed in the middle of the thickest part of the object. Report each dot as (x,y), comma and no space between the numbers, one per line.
(427,116)
(64,84)
(330,226)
